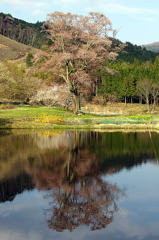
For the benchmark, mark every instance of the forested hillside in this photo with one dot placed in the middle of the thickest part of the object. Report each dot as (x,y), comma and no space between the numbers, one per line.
(131,77)
(31,34)
(132,52)
(21,31)
(132,82)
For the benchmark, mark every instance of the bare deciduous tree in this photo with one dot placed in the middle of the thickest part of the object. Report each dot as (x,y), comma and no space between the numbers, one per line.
(80,45)
(144,88)
(155,92)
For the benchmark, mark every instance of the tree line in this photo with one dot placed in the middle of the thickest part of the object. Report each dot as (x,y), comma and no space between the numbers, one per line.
(133,82)
(85,54)
(82,55)
(132,52)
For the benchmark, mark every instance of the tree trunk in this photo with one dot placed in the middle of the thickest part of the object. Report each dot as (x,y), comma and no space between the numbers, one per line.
(73,91)
(147,102)
(131,100)
(154,100)
(125,100)
(140,100)
(76,102)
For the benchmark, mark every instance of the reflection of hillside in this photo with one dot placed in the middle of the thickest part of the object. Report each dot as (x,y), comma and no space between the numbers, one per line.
(11,187)
(115,148)
(112,149)
(14,153)
(67,156)
(68,165)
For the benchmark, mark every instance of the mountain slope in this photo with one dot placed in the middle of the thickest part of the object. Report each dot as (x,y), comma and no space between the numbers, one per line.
(152,46)
(10,49)
(27,34)
(21,31)
(132,52)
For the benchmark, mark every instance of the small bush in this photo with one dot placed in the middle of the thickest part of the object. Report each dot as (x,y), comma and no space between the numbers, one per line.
(6,106)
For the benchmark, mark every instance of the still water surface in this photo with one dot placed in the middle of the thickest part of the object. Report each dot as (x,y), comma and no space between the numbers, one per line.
(79,185)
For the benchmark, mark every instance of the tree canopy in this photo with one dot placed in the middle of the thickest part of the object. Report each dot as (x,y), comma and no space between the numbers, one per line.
(80,46)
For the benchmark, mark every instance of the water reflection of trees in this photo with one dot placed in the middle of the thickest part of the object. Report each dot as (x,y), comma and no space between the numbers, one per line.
(79,194)
(113,149)
(72,174)
(90,202)
(9,188)
(69,166)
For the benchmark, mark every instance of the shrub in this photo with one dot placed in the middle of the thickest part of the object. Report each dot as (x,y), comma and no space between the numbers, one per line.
(6,106)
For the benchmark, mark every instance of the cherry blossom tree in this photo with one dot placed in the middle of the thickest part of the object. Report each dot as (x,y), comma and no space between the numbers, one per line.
(55,95)
(78,48)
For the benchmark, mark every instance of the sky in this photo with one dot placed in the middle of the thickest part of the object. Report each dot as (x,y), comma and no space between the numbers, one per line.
(137,21)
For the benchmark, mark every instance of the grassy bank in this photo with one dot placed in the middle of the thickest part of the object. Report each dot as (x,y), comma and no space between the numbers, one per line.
(110,117)
(11,49)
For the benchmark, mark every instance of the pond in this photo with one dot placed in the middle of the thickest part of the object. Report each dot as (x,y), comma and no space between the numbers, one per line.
(79,185)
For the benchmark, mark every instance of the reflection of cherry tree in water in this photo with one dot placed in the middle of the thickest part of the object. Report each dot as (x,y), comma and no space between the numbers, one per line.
(78,194)
(90,202)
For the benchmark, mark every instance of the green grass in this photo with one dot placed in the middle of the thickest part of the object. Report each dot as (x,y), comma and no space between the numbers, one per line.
(30,111)
(22,111)
(33,117)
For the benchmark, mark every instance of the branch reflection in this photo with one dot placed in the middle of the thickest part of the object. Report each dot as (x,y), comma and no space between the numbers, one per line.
(90,202)
(68,166)
(77,193)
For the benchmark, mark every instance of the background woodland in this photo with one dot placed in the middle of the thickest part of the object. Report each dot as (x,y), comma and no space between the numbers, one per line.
(133,77)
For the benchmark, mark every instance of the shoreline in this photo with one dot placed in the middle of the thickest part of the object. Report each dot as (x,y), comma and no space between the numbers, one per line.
(47,126)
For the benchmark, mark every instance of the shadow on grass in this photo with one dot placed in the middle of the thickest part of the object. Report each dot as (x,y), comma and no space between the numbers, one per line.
(5,123)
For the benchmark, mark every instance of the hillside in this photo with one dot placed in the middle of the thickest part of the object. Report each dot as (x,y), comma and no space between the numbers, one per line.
(21,31)
(10,49)
(152,46)
(132,52)
(30,34)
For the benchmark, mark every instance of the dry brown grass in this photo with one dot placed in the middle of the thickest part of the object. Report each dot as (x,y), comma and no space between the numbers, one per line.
(10,49)
(120,109)
(3,46)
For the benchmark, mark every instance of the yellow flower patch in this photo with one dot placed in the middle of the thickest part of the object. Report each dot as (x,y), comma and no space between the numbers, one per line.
(43,118)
